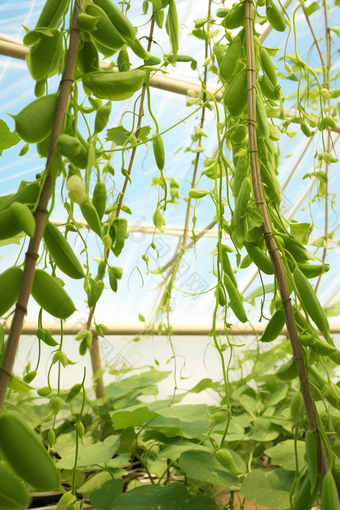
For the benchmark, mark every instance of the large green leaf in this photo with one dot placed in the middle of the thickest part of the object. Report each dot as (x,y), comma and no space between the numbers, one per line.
(172,427)
(149,497)
(203,466)
(184,412)
(205,384)
(268,488)
(132,418)
(264,431)
(65,444)
(104,497)
(249,403)
(269,288)
(142,380)
(7,139)
(92,455)
(152,497)
(118,135)
(98,481)
(124,393)
(333,310)
(283,454)
(175,451)
(301,231)
(17,384)
(276,397)
(201,503)
(188,421)
(34,415)
(12,240)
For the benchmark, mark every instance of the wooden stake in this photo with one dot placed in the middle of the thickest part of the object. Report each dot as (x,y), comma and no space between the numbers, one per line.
(40,216)
(273,251)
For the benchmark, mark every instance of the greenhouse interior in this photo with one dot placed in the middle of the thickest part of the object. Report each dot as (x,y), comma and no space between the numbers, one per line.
(169,255)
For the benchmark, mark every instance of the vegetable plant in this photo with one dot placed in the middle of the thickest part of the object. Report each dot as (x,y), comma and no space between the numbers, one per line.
(272,437)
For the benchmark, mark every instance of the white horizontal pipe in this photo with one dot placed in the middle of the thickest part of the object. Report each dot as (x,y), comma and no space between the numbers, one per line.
(117,329)
(19,51)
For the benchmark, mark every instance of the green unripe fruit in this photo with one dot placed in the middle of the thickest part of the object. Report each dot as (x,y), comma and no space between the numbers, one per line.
(13,494)
(23,217)
(21,447)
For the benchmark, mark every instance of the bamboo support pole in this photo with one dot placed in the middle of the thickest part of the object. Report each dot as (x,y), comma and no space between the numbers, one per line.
(41,213)
(272,247)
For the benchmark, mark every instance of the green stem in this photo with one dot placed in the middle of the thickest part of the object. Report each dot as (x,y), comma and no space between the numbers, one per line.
(77,437)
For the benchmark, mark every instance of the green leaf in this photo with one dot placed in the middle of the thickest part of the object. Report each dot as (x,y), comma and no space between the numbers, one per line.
(283,455)
(144,133)
(65,500)
(103,498)
(201,503)
(7,139)
(301,232)
(118,135)
(139,381)
(205,384)
(264,431)
(97,453)
(276,397)
(336,29)
(141,317)
(205,467)
(4,199)
(32,415)
(269,288)
(44,31)
(172,427)
(312,8)
(152,497)
(184,412)
(19,385)
(249,403)
(132,417)
(268,488)
(173,452)
(333,310)
(94,483)
(12,240)
(254,217)
(200,22)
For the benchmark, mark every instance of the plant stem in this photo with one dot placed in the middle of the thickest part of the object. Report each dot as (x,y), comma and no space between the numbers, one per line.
(270,241)
(77,436)
(139,123)
(182,247)
(94,352)
(205,78)
(41,212)
(315,41)
(327,84)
